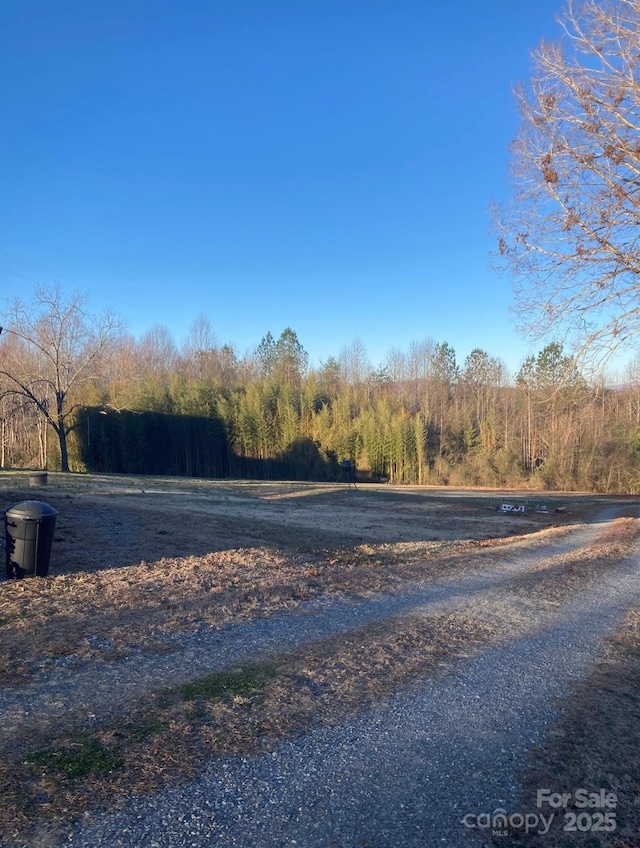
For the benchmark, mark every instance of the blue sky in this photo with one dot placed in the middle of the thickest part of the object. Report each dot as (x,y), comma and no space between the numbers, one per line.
(316,164)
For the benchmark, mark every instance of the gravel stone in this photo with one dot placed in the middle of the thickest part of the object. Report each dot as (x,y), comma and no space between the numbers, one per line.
(402,775)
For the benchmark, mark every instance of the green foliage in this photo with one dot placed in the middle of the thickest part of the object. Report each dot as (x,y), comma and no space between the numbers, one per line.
(242,682)
(472,438)
(634,446)
(285,359)
(152,443)
(143,728)
(417,419)
(444,365)
(306,461)
(87,756)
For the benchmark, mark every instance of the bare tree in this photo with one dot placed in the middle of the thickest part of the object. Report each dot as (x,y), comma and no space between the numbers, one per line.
(201,338)
(419,360)
(395,364)
(354,362)
(158,350)
(57,347)
(199,347)
(571,234)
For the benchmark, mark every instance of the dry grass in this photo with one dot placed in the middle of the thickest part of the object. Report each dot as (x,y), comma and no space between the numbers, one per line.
(248,710)
(158,740)
(126,570)
(129,569)
(595,744)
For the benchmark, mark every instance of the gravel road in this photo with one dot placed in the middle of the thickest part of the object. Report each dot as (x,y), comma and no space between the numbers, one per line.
(402,775)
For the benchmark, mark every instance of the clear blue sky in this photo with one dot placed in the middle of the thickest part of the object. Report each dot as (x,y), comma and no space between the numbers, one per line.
(320,164)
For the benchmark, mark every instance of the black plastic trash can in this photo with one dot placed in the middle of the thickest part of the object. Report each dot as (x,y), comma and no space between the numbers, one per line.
(29,528)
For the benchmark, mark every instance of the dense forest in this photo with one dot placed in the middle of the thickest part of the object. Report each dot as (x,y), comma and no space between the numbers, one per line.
(419,417)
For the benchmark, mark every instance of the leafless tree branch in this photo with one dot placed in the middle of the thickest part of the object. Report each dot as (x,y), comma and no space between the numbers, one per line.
(570,236)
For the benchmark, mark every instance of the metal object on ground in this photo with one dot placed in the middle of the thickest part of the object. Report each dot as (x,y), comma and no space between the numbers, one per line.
(348,471)
(29,528)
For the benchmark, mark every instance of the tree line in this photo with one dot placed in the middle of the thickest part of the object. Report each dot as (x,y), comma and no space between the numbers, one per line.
(78,393)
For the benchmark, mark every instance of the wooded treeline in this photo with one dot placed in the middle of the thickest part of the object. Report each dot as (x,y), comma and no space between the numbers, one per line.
(420,417)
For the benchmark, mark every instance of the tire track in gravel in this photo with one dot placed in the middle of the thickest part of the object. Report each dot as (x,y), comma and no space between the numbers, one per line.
(79,691)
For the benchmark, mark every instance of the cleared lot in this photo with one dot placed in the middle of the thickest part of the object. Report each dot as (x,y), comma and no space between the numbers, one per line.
(134,559)
(152,580)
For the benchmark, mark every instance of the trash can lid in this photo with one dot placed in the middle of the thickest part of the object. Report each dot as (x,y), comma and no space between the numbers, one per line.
(33,510)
